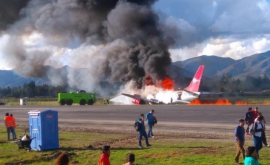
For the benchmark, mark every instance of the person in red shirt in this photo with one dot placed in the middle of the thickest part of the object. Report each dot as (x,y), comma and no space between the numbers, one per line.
(255,113)
(104,159)
(9,124)
(13,132)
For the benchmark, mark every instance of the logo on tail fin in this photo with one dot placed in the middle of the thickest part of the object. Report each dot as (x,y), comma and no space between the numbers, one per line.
(194,80)
(195,83)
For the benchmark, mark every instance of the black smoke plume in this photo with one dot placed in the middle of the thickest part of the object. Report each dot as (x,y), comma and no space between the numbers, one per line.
(127,34)
(10,12)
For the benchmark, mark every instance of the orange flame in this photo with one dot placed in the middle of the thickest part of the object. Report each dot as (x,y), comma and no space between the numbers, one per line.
(167,83)
(218,102)
(241,103)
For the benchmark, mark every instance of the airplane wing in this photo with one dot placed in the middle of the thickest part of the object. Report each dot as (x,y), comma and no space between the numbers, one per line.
(146,101)
(131,96)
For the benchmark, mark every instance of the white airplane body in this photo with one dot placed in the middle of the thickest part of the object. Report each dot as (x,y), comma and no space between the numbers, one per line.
(185,96)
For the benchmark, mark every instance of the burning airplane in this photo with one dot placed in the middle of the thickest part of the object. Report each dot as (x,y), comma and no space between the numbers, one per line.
(166,94)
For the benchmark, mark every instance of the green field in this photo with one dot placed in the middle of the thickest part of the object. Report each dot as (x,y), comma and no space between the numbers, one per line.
(39,101)
(83,146)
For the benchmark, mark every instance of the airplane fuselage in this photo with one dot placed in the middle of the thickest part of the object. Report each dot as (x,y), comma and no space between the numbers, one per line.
(189,96)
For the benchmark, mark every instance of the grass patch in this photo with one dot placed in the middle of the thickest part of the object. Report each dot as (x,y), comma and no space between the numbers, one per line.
(169,149)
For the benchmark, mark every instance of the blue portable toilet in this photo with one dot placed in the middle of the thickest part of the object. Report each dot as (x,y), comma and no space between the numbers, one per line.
(43,127)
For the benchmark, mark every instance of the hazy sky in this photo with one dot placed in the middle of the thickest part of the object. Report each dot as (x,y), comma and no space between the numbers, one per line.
(225,28)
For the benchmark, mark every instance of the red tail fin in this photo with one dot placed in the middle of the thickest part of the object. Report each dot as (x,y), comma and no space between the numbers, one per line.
(195,83)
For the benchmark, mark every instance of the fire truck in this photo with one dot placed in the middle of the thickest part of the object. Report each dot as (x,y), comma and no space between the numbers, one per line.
(81,97)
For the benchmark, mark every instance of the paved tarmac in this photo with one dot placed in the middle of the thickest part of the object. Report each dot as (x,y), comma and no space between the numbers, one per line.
(171,118)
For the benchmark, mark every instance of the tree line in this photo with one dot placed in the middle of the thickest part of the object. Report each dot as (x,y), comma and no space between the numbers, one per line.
(225,83)
(31,90)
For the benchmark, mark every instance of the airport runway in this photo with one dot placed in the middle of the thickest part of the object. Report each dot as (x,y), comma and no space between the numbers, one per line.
(171,118)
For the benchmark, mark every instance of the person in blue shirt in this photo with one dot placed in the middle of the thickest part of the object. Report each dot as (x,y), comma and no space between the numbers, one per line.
(150,121)
(251,157)
(239,134)
(142,132)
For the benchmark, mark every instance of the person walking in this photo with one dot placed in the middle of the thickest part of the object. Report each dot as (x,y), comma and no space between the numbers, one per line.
(8,124)
(239,134)
(264,141)
(150,121)
(249,119)
(257,137)
(130,159)
(104,158)
(142,132)
(13,132)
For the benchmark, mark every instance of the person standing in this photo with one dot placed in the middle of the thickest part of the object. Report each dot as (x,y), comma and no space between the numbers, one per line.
(142,132)
(239,134)
(150,121)
(257,137)
(104,159)
(13,132)
(249,119)
(8,124)
(264,141)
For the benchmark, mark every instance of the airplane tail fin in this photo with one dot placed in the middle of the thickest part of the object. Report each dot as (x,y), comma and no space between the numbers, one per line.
(195,83)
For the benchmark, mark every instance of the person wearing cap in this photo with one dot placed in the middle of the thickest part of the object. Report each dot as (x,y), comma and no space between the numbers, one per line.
(239,134)
(264,141)
(251,157)
(257,137)
(104,159)
(142,132)
(249,119)
(150,121)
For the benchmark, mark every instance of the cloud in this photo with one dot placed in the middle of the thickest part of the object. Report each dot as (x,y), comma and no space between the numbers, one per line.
(216,27)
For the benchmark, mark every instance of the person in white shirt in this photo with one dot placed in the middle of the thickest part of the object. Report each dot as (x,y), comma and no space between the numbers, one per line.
(257,137)
(263,132)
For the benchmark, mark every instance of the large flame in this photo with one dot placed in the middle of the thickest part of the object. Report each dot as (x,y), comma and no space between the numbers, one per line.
(167,83)
(218,102)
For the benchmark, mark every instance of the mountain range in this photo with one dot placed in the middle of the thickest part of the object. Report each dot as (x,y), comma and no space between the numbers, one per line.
(254,65)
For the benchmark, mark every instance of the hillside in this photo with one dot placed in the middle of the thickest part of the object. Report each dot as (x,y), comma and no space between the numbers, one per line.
(254,65)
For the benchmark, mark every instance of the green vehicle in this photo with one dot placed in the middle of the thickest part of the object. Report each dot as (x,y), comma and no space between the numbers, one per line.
(80,97)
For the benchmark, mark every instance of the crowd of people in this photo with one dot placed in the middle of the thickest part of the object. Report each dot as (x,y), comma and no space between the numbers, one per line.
(256,128)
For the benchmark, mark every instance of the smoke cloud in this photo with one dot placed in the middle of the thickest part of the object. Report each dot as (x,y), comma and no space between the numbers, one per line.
(116,40)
